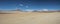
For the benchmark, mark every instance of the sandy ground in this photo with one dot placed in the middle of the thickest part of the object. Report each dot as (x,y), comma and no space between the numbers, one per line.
(30,18)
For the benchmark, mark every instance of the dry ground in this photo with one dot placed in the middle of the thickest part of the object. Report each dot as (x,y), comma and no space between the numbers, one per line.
(30,18)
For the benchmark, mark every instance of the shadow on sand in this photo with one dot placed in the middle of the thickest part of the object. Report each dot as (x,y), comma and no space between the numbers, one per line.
(6,13)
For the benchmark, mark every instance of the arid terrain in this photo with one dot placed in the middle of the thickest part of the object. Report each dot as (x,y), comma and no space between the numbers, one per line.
(30,18)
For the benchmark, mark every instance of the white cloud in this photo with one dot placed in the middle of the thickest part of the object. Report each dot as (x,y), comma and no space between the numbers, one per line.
(29,10)
(45,9)
(21,4)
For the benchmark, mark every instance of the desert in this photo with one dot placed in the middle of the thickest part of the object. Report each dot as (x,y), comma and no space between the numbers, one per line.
(30,18)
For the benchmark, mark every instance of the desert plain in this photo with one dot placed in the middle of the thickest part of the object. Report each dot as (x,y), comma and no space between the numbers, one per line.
(30,18)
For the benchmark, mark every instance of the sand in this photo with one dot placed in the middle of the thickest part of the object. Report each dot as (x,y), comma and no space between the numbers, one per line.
(30,18)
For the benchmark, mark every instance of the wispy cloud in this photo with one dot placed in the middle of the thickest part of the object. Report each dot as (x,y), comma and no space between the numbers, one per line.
(45,9)
(37,10)
(21,4)
(29,10)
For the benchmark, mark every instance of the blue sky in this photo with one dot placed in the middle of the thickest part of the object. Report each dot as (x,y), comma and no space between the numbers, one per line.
(29,4)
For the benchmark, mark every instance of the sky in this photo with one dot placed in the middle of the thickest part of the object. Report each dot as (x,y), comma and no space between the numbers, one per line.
(29,4)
